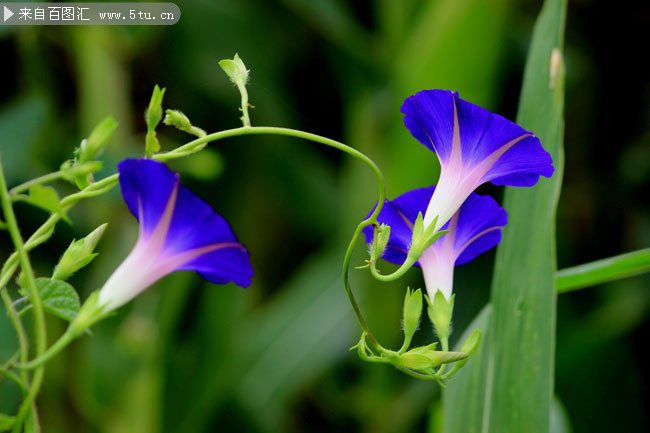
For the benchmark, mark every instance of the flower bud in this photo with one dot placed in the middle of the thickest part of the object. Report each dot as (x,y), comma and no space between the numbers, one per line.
(414,361)
(412,312)
(235,69)
(78,254)
(377,249)
(152,116)
(93,146)
(154,112)
(421,360)
(179,120)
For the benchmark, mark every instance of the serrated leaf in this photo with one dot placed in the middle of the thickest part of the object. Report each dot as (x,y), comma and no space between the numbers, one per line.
(59,298)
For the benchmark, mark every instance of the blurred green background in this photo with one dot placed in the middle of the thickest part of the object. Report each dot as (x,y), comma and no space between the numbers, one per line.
(188,356)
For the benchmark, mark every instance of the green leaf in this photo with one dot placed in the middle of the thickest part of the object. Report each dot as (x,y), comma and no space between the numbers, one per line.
(6,422)
(603,271)
(518,375)
(44,197)
(464,397)
(59,298)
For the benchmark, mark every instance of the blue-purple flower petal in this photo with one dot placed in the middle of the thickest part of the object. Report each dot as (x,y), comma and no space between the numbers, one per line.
(211,266)
(429,116)
(146,186)
(477,225)
(511,155)
(195,230)
(521,165)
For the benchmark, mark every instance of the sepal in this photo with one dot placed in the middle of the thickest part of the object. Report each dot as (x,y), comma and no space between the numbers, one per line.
(440,312)
(91,312)
(427,359)
(470,346)
(423,237)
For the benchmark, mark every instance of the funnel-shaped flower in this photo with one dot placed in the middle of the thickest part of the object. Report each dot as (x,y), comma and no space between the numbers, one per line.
(473,229)
(178,231)
(474,146)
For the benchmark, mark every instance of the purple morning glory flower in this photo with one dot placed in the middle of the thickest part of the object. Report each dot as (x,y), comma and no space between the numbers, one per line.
(473,229)
(178,231)
(474,146)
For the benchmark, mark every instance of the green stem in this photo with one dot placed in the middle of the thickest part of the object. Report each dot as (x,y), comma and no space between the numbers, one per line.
(23,345)
(34,296)
(444,339)
(418,375)
(20,381)
(241,85)
(68,336)
(405,345)
(198,144)
(36,181)
(399,272)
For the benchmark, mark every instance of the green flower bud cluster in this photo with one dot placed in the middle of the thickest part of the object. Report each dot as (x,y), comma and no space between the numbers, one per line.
(424,362)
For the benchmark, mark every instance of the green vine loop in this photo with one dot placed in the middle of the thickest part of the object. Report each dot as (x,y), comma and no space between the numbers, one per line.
(399,272)
(102,186)
(200,143)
